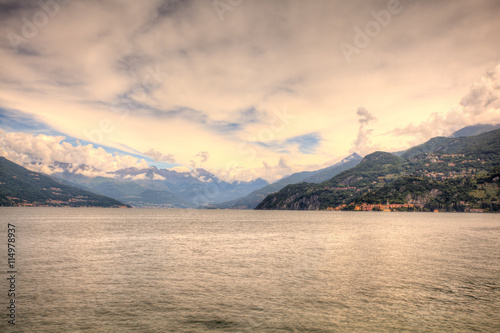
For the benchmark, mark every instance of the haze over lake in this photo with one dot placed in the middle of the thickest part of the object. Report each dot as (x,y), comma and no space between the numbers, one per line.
(145,270)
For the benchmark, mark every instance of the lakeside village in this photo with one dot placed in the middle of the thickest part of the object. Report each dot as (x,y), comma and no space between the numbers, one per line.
(393,208)
(451,160)
(18,202)
(56,203)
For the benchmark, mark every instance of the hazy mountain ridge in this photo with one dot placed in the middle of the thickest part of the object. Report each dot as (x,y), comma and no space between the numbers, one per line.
(253,199)
(178,189)
(22,187)
(473,146)
(438,159)
(475,130)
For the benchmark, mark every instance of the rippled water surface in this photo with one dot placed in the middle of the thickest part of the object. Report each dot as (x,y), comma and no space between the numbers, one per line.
(141,270)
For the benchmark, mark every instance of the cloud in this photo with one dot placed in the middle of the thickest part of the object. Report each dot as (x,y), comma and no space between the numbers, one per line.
(363,143)
(484,95)
(144,176)
(203,155)
(159,157)
(365,117)
(198,160)
(480,105)
(180,169)
(141,176)
(158,177)
(266,171)
(40,152)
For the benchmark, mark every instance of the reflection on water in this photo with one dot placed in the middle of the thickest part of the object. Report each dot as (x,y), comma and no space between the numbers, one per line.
(140,270)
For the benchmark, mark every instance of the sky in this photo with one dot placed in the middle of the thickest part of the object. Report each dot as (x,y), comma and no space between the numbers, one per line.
(241,88)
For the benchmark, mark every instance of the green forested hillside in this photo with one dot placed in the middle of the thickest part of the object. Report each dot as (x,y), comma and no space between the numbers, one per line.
(441,163)
(485,145)
(455,194)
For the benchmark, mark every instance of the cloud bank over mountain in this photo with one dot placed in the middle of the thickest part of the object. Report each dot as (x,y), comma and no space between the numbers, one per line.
(480,105)
(40,152)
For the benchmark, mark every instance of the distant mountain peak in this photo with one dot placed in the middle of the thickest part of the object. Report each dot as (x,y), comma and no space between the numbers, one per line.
(204,175)
(353,156)
(475,130)
(71,167)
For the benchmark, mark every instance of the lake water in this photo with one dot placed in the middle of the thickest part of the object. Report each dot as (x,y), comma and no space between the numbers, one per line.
(146,270)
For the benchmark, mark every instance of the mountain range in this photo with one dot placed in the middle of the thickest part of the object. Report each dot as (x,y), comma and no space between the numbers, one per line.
(376,178)
(22,187)
(253,199)
(162,188)
(456,171)
(475,130)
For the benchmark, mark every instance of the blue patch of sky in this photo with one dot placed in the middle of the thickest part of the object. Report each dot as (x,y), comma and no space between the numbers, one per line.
(115,151)
(225,127)
(18,121)
(160,165)
(307,143)
(250,116)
